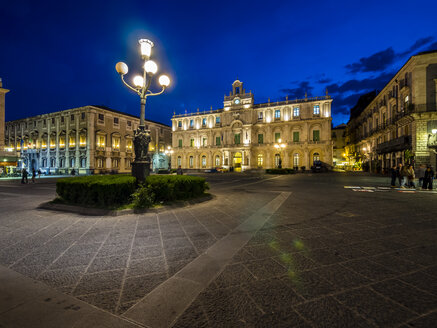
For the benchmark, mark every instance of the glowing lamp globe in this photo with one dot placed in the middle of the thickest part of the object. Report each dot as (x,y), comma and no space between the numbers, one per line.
(150,67)
(164,80)
(146,47)
(138,81)
(121,68)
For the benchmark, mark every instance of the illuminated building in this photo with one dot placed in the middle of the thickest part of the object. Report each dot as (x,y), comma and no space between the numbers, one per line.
(242,135)
(90,139)
(399,124)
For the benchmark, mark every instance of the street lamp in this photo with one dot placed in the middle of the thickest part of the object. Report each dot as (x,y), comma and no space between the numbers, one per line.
(141,85)
(279,146)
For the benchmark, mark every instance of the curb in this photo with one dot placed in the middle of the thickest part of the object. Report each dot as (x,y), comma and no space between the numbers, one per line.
(92,211)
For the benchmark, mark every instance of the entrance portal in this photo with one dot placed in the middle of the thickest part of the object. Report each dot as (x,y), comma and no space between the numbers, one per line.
(237,162)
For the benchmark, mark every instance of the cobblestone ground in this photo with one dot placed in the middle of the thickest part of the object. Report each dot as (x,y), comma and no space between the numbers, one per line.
(328,257)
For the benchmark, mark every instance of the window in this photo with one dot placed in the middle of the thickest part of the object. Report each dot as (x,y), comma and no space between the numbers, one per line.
(316,135)
(61,142)
(277,136)
(116,143)
(115,162)
(316,110)
(129,123)
(260,138)
(99,162)
(61,162)
(44,162)
(191,142)
(316,157)
(82,115)
(204,142)
(52,163)
(203,121)
(278,161)
(296,136)
(129,145)
(72,162)
(72,118)
(203,161)
(115,120)
(83,162)
(179,162)
(296,160)
(237,138)
(71,141)
(237,90)
(180,143)
(179,124)
(44,123)
(217,141)
(82,141)
(53,120)
(191,123)
(101,117)
(277,114)
(217,160)
(62,119)
(217,120)
(259,160)
(191,161)
(100,141)
(260,116)
(296,111)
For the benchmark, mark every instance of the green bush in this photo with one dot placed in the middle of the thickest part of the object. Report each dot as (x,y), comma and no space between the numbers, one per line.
(101,191)
(280,171)
(174,187)
(143,197)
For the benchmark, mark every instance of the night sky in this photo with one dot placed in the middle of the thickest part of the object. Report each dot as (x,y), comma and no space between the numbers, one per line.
(61,54)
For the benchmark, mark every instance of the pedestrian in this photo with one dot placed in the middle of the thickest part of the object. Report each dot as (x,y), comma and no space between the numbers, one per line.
(39,173)
(421,174)
(179,171)
(410,177)
(33,175)
(24,176)
(428,178)
(404,174)
(398,174)
(73,172)
(393,176)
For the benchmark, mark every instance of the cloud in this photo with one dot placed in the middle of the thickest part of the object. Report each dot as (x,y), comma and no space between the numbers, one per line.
(417,45)
(361,86)
(342,105)
(375,63)
(299,92)
(324,80)
(432,46)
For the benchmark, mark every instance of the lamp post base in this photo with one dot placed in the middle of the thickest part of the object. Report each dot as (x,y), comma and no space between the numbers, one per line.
(141,170)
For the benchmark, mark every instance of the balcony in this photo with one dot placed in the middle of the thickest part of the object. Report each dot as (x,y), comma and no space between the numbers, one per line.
(397,144)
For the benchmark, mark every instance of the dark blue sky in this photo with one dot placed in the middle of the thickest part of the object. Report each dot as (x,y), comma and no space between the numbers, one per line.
(56,55)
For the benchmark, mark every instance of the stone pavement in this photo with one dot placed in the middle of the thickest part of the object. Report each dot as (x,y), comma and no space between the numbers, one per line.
(322,256)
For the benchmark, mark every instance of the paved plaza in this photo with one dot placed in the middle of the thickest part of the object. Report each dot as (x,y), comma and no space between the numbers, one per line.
(266,251)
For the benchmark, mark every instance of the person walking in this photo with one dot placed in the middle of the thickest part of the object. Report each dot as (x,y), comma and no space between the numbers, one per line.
(33,175)
(39,173)
(24,176)
(428,178)
(393,176)
(404,174)
(421,174)
(410,177)
(179,171)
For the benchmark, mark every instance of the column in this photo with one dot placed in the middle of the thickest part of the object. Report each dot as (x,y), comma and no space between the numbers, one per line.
(77,153)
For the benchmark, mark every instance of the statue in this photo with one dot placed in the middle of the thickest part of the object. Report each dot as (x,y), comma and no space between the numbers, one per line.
(141,144)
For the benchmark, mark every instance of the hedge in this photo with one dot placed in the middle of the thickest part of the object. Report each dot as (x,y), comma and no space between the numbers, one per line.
(101,191)
(174,187)
(280,171)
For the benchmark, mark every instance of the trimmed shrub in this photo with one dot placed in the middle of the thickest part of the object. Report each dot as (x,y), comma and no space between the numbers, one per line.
(101,191)
(173,187)
(280,171)
(143,197)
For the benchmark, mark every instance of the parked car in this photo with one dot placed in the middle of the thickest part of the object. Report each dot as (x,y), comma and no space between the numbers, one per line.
(317,167)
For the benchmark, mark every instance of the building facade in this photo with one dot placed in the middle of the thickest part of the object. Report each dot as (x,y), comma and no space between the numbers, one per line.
(90,139)
(338,145)
(243,135)
(399,124)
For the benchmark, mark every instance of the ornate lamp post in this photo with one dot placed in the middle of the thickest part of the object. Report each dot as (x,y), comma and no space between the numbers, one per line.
(280,146)
(141,85)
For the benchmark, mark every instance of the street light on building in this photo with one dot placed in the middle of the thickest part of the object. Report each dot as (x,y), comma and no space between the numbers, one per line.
(280,146)
(141,86)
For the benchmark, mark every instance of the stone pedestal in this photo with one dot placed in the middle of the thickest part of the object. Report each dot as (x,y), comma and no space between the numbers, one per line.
(141,165)
(141,170)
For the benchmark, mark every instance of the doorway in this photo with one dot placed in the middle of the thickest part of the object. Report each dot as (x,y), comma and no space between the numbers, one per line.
(237,162)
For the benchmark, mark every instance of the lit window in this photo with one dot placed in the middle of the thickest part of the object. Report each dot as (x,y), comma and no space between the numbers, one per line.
(316,110)
(82,141)
(191,142)
(179,161)
(296,160)
(277,114)
(204,142)
(260,160)
(204,122)
(62,142)
(296,111)
(316,157)
(217,160)
(100,141)
(129,144)
(115,143)
(191,123)
(72,142)
(203,161)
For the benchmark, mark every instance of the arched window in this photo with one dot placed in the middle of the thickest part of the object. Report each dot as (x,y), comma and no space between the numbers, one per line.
(278,161)
(83,162)
(100,163)
(260,160)
(52,163)
(115,162)
(316,157)
(179,161)
(296,160)
(217,160)
(61,162)
(191,161)
(72,162)
(203,161)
